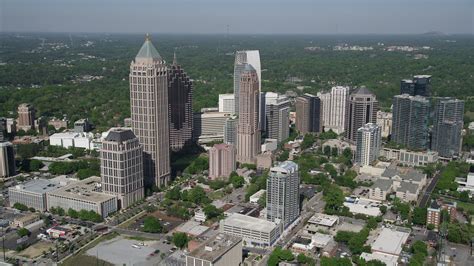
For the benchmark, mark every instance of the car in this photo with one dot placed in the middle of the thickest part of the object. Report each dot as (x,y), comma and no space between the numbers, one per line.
(135,246)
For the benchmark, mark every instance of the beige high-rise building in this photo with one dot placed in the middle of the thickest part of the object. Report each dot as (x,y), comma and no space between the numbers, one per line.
(308,114)
(121,166)
(248,130)
(149,110)
(26,117)
(221,160)
(361,109)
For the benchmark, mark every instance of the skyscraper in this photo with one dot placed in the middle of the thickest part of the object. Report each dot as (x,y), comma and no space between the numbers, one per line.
(277,116)
(446,136)
(248,130)
(251,57)
(149,110)
(121,166)
(361,109)
(7,160)
(410,121)
(221,160)
(180,107)
(419,85)
(283,197)
(384,120)
(369,140)
(334,108)
(230,130)
(26,117)
(3,129)
(308,114)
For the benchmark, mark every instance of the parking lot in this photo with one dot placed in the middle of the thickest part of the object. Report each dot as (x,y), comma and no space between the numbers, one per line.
(168,223)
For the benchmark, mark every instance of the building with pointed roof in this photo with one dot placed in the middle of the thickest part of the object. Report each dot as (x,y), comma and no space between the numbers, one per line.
(180,107)
(149,112)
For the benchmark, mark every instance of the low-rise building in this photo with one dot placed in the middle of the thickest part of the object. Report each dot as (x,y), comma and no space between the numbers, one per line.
(199,216)
(466,184)
(433,215)
(220,250)
(58,123)
(192,228)
(83,195)
(387,259)
(264,160)
(26,220)
(33,193)
(410,158)
(390,241)
(363,206)
(324,220)
(73,139)
(408,191)
(270,145)
(340,146)
(380,189)
(254,231)
(255,197)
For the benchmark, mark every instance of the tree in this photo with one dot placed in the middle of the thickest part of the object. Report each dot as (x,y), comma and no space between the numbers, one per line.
(72,213)
(464,196)
(430,226)
(419,216)
(383,209)
(303,259)
(20,206)
(152,225)
(237,181)
(174,193)
(334,261)
(284,155)
(308,141)
(23,232)
(180,239)
(212,211)
(262,201)
(198,196)
(35,165)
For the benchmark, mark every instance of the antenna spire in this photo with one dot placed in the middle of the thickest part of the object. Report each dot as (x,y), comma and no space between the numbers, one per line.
(147,37)
(175,60)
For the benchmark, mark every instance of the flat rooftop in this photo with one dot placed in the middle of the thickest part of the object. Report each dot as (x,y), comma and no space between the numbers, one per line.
(248,222)
(215,247)
(39,186)
(390,241)
(323,219)
(192,228)
(88,189)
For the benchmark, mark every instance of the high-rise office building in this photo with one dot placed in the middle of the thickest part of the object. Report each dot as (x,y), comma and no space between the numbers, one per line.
(180,107)
(26,117)
(121,166)
(410,121)
(308,114)
(283,197)
(448,117)
(248,130)
(3,129)
(419,85)
(7,160)
(221,160)
(227,103)
(277,116)
(149,110)
(230,130)
(361,109)
(334,108)
(369,141)
(251,57)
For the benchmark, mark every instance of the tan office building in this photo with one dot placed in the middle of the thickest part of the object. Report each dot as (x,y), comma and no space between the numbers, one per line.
(26,117)
(221,160)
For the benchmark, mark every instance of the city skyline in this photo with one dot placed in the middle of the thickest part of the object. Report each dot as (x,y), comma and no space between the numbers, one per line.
(321,16)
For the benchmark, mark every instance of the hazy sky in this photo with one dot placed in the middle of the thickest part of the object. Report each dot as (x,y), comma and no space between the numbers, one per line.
(243,16)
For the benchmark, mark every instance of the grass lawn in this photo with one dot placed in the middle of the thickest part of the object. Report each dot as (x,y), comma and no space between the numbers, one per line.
(216,195)
(82,258)
(36,249)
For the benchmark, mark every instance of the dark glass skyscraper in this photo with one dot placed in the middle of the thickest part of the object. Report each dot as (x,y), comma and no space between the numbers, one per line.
(308,114)
(410,121)
(447,126)
(361,109)
(180,104)
(420,85)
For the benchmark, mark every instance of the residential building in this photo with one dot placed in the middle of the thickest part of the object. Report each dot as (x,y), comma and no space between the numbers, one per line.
(33,193)
(384,120)
(121,167)
(83,195)
(242,58)
(26,117)
(408,191)
(230,130)
(410,121)
(380,189)
(180,107)
(221,160)
(227,103)
(334,105)
(277,117)
(448,117)
(219,250)
(433,215)
(209,126)
(369,141)
(283,200)
(83,125)
(404,175)
(3,129)
(149,110)
(410,158)
(7,160)
(361,109)
(308,114)
(248,130)
(254,231)
(419,85)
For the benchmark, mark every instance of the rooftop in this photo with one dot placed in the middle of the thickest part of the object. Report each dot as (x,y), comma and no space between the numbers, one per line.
(244,221)
(88,190)
(192,228)
(408,186)
(363,90)
(215,247)
(389,260)
(390,241)
(323,219)
(120,135)
(285,167)
(148,51)
(382,184)
(40,186)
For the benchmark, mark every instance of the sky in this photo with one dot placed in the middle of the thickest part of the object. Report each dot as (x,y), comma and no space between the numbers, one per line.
(242,16)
